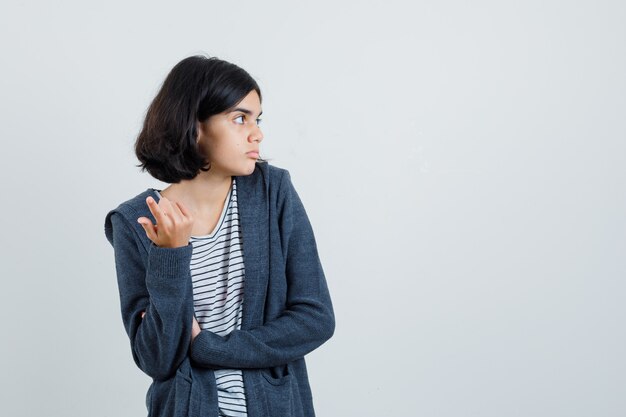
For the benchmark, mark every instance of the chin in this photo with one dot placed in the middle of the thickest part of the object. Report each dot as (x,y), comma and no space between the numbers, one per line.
(251,169)
(247,171)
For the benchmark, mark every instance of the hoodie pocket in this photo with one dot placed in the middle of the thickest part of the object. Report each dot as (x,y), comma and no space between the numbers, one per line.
(281,392)
(170,397)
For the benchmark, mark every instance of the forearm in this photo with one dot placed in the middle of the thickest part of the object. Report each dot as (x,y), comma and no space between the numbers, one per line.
(161,341)
(160,287)
(291,336)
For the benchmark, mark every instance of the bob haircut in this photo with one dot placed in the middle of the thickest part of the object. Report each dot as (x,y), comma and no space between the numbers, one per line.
(195,89)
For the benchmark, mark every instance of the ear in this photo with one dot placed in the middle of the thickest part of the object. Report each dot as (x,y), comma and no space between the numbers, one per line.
(198,131)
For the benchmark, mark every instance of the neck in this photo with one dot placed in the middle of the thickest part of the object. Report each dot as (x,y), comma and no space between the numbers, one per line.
(204,193)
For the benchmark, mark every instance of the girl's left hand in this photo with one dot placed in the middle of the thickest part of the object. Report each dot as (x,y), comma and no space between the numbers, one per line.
(195,328)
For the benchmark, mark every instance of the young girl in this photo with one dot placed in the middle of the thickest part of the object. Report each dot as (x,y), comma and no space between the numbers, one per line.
(221,288)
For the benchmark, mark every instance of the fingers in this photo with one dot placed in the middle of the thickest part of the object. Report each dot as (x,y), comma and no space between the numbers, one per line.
(171,210)
(163,211)
(156,210)
(165,205)
(173,223)
(176,210)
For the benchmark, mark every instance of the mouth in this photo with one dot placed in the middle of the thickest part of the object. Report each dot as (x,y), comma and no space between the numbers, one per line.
(253,154)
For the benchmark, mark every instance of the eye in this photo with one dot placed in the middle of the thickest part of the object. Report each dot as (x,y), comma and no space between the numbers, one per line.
(241,116)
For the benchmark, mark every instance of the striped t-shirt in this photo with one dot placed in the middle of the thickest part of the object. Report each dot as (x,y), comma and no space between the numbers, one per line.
(217,274)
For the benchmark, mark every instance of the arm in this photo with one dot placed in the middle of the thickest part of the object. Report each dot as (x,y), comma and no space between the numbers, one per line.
(161,288)
(308,319)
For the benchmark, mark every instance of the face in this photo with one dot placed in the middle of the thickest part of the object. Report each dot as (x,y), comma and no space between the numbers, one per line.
(230,139)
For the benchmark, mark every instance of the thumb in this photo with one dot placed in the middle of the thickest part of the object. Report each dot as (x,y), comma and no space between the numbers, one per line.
(147,227)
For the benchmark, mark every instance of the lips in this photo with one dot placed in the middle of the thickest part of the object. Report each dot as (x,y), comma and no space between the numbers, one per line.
(253,154)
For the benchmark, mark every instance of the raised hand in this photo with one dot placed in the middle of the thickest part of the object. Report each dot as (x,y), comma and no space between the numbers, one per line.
(173,223)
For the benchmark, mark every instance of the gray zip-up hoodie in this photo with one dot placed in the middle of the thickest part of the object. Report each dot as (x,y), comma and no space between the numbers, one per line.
(287,310)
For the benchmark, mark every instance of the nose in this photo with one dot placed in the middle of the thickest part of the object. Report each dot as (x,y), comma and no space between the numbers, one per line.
(256,134)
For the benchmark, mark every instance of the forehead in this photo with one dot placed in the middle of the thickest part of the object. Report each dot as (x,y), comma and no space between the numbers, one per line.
(250,104)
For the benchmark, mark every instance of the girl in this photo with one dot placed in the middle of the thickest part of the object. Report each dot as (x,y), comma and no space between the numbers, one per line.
(222,292)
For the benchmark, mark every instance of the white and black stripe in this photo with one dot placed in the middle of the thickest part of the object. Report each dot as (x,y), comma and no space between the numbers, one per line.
(217,273)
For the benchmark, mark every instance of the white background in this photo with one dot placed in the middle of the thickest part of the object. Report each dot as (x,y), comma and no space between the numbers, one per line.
(462,164)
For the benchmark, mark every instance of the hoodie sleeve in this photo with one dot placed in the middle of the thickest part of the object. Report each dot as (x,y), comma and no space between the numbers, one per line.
(160,286)
(308,319)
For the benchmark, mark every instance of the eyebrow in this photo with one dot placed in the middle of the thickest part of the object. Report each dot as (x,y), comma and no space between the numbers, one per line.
(246,111)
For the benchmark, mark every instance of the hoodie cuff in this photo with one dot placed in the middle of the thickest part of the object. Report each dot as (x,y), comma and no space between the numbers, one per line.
(168,267)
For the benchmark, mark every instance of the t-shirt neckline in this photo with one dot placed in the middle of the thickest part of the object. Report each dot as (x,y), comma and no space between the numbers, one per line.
(222,214)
